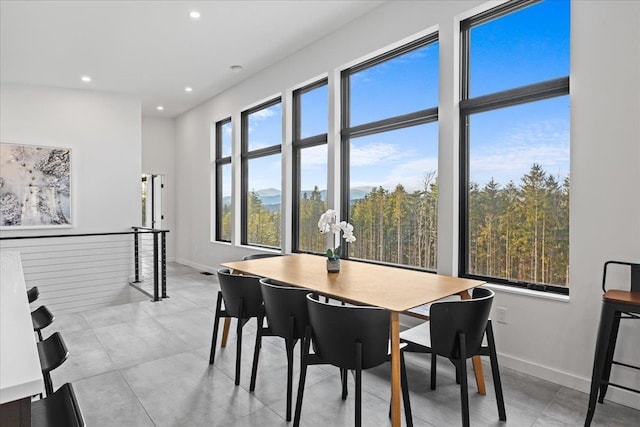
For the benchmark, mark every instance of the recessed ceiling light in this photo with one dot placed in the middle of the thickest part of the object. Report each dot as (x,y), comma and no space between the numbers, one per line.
(194,14)
(85,79)
(236,68)
(188,89)
(159,108)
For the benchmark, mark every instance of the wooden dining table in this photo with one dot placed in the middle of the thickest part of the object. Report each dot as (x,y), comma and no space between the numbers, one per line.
(395,289)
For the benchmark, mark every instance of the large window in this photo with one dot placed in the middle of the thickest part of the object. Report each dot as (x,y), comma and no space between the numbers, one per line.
(223,181)
(310,122)
(390,155)
(514,116)
(261,174)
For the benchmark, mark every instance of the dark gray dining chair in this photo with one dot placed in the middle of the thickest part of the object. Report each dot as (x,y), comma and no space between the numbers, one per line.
(242,300)
(455,331)
(287,317)
(351,338)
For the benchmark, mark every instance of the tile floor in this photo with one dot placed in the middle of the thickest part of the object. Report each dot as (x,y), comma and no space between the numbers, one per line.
(146,364)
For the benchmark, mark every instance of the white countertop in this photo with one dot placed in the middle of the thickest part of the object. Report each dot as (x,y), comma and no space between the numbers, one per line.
(20,372)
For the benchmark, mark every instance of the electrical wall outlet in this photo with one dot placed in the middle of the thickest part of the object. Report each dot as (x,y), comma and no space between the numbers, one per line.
(501,314)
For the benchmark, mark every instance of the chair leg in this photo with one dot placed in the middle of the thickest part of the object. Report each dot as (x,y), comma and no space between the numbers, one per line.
(290,344)
(611,348)
(216,323)
(497,383)
(604,333)
(344,374)
(303,374)
(239,349)
(48,384)
(462,371)
(358,384)
(256,353)
(434,361)
(405,392)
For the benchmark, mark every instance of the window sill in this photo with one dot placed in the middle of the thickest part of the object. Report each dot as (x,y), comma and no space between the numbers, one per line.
(528,292)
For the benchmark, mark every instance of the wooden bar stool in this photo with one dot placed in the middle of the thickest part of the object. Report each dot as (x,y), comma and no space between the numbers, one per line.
(616,305)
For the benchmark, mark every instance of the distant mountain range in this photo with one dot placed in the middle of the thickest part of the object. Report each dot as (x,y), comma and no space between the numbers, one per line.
(270,197)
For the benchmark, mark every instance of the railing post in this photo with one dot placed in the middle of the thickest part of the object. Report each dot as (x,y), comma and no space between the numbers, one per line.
(136,256)
(156,285)
(163,264)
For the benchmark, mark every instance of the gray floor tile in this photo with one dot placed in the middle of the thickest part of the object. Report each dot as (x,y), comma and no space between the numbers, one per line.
(193,326)
(107,401)
(145,339)
(116,315)
(87,357)
(67,324)
(181,390)
(173,304)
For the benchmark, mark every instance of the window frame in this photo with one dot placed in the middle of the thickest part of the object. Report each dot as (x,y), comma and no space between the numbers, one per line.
(298,144)
(347,132)
(219,163)
(543,90)
(245,156)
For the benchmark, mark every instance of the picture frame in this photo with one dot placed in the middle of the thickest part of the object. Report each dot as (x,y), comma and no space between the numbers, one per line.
(35,187)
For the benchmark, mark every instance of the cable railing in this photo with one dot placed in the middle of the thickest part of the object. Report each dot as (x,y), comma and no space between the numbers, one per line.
(76,272)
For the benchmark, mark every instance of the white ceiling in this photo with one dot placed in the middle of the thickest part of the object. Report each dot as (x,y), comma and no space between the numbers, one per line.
(153,49)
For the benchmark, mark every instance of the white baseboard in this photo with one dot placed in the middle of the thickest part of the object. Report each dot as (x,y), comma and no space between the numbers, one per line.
(197,266)
(623,397)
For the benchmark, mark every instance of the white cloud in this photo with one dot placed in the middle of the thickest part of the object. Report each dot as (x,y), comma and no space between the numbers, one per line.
(372,154)
(410,174)
(511,156)
(315,156)
(265,113)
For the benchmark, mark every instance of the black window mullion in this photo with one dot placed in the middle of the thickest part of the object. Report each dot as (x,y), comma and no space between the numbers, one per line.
(393,123)
(263,152)
(521,95)
(311,141)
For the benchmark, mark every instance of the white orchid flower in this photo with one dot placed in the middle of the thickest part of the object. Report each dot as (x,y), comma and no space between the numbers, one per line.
(328,224)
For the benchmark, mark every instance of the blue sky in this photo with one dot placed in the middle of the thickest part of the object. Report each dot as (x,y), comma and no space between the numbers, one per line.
(529,46)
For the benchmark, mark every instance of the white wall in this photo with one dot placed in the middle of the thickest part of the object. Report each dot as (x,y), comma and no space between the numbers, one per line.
(103,132)
(550,338)
(158,157)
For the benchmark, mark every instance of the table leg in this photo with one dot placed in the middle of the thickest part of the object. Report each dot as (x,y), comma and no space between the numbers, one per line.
(477,363)
(395,369)
(225,331)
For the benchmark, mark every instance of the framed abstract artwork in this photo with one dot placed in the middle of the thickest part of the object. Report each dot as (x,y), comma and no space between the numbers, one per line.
(35,186)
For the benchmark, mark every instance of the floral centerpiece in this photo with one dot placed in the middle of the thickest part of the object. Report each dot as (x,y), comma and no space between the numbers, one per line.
(328,223)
